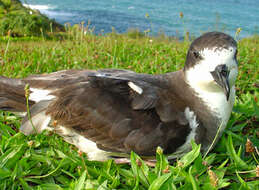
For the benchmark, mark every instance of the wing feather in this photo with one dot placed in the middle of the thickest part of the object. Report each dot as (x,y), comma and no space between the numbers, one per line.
(104,108)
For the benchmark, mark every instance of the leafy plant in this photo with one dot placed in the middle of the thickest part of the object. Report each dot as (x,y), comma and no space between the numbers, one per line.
(17,20)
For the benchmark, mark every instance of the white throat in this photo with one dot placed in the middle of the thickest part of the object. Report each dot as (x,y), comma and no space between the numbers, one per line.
(199,77)
(213,96)
(217,102)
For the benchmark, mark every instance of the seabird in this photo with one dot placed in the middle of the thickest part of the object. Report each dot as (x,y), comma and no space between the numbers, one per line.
(111,112)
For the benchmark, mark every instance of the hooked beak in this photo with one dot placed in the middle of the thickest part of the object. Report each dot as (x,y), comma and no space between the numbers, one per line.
(220,75)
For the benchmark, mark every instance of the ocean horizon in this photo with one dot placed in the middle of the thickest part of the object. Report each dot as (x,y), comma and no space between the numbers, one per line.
(169,17)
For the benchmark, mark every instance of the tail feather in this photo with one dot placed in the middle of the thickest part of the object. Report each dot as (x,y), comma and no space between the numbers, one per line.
(12,95)
(7,104)
(38,121)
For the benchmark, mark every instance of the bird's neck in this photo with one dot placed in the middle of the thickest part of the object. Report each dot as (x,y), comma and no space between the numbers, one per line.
(217,103)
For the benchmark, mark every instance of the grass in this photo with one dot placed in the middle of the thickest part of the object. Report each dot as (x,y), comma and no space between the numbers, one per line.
(45,161)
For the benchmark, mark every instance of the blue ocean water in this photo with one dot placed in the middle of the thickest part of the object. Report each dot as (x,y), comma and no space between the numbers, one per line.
(156,15)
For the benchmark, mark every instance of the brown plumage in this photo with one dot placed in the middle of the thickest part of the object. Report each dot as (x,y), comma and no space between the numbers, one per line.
(119,110)
(111,114)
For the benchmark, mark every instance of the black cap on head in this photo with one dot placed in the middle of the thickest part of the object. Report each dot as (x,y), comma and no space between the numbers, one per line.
(208,40)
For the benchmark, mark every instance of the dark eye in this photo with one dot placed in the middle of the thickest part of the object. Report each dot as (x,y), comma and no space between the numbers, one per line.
(224,72)
(196,54)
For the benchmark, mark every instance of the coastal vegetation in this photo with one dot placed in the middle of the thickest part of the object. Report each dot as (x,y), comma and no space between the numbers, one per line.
(17,20)
(45,161)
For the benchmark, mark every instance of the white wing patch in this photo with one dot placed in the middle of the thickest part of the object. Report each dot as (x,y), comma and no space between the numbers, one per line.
(191,117)
(100,75)
(135,87)
(37,95)
(83,144)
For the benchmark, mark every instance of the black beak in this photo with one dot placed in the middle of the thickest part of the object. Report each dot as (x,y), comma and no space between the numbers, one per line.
(220,75)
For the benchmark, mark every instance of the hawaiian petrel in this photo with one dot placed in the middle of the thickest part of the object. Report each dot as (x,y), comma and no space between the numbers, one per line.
(113,112)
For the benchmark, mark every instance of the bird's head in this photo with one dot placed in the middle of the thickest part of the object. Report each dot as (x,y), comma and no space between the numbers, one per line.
(211,63)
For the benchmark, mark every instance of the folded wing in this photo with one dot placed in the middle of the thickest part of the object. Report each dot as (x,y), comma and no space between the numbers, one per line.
(121,111)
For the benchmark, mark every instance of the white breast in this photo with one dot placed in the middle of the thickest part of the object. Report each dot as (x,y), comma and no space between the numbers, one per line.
(218,104)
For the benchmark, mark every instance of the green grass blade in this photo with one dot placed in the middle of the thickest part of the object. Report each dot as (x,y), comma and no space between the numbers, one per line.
(244,185)
(188,158)
(4,173)
(103,186)
(10,158)
(193,181)
(50,187)
(256,108)
(139,169)
(80,183)
(157,183)
(24,184)
(233,155)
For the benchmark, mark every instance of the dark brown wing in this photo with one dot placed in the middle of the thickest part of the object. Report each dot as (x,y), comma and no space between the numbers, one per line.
(106,110)
(57,80)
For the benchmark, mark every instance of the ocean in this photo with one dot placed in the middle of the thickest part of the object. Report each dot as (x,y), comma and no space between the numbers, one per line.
(171,17)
